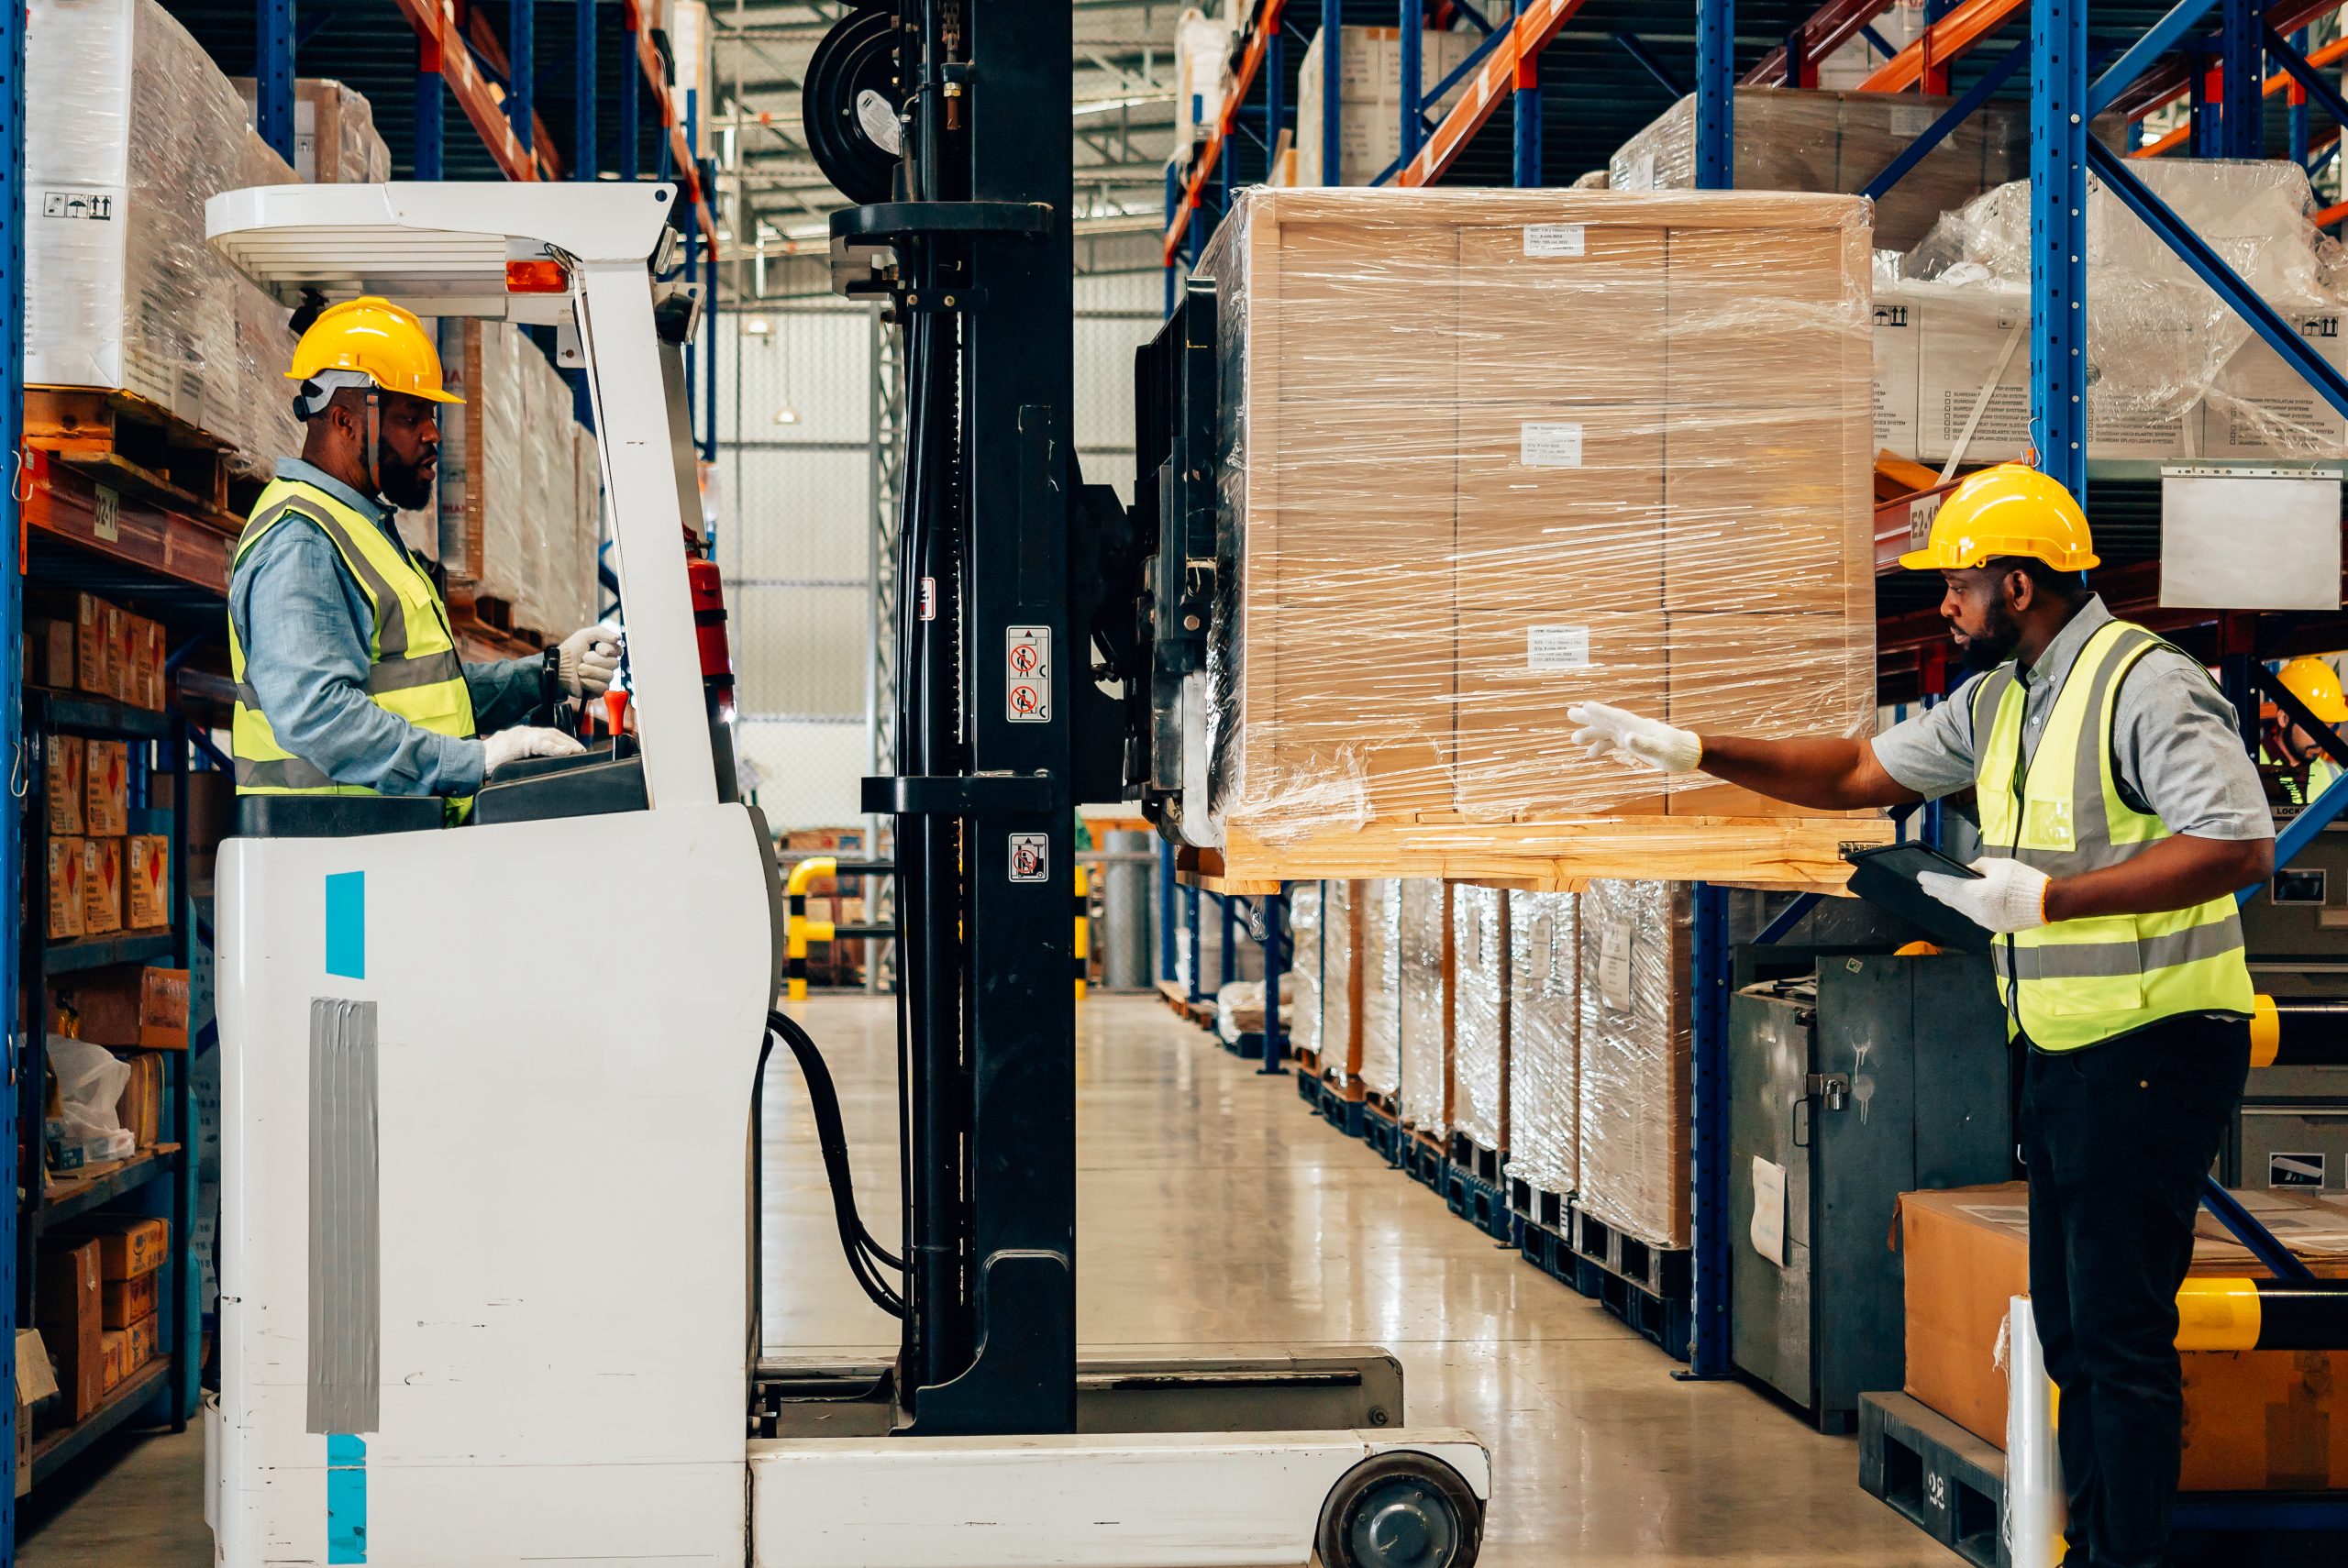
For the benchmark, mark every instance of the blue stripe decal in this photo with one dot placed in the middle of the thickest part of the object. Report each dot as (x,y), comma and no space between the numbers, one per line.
(347,924)
(346,1498)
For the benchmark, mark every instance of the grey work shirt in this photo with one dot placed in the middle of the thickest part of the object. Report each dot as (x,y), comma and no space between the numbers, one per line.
(2175,737)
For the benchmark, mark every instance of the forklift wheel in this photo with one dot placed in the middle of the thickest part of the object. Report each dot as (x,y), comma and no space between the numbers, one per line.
(1399,1510)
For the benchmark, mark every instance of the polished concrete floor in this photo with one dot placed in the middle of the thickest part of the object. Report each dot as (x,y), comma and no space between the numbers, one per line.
(1214,1213)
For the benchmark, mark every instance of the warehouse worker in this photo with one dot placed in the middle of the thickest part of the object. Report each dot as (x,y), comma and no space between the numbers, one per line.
(2120,811)
(348,677)
(2309,769)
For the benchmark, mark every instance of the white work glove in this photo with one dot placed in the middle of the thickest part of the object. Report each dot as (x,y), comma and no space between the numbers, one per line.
(526,740)
(586,660)
(1610,731)
(2006,896)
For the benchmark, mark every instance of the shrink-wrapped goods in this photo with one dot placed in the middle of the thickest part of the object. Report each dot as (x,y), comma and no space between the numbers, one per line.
(1489,453)
(518,522)
(1480,1032)
(335,139)
(1202,72)
(1305,931)
(1341,975)
(1425,969)
(1380,914)
(1370,98)
(1634,1058)
(1544,1035)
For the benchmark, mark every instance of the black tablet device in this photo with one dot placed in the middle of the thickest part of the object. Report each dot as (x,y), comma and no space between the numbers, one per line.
(1884,875)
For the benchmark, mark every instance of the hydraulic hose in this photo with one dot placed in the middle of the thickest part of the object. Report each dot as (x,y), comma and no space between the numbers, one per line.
(857,1242)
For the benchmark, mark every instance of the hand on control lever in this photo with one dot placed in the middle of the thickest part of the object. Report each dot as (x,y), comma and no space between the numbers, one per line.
(1611,732)
(587,660)
(526,740)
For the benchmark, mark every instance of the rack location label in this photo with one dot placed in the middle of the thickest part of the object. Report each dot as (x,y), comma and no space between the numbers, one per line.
(1027,669)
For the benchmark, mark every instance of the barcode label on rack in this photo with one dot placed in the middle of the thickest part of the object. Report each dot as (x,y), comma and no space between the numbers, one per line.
(1552,239)
(1549,446)
(1556,647)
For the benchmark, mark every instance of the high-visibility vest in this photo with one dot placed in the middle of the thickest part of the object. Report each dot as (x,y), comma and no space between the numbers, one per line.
(2321,774)
(2076,982)
(413,667)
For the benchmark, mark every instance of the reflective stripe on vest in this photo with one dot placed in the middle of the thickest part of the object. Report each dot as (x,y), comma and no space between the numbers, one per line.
(414,670)
(2077,982)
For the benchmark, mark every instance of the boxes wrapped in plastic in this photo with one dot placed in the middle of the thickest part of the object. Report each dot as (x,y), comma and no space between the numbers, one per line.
(1370,98)
(1479,1012)
(516,524)
(1379,912)
(1305,934)
(335,139)
(1544,1035)
(1240,1007)
(1341,974)
(2174,372)
(1636,1058)
(1487,453)
(1202,70)
(1424,937)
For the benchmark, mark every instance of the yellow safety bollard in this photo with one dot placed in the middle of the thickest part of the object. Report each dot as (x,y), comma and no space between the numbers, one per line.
(798,930)
(1083,929)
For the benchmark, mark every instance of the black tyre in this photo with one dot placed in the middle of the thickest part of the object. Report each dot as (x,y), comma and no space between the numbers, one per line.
(1399,1510)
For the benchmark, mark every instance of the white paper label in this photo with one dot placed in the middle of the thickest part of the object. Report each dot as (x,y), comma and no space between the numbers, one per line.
(1552,239)
(1768,1230)
(1556,647)
(1640,173)
(1614,964)
(1549,446)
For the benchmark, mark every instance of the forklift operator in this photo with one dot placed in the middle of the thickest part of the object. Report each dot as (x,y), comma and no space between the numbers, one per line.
(2118,813)
(348,675)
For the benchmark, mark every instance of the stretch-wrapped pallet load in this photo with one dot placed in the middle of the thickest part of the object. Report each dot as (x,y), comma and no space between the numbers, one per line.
(2174,374)
(1479,1034)
(1304,930)
(130,127)
(1380,913)
(1544,1042)
(1636,1058)
(1424,1099)
(335,139)
(1369,97)
(1489,453)
(515,526)
(1341,972)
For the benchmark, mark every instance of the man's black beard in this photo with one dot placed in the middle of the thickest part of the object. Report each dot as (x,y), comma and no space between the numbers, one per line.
(405,487)
(1996,645)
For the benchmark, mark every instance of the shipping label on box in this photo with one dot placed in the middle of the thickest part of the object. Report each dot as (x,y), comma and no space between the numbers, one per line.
(68,905)
(148,882)
(62,757)
(107,788)
(100,886)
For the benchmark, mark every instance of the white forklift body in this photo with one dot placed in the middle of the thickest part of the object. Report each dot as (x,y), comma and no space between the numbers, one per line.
(487,1296)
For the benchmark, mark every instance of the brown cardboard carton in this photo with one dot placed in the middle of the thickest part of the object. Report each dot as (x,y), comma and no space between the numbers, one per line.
(2255,1421)
(62,782)
(90,644)
(100,886)
(68,904)
(1363,311)
(114,1357)
(1636,1058)
(140,1107)
(1770,678)
(107,788)
(127,1301)
(35,1382)
(53,654)
(1768,515)
(126,1005)
(69,1308)
(1520,666)
(147,882)
(140,1338)
(117,653)
(1561,500)
(1747,303)
(129,1245)
(1567,312)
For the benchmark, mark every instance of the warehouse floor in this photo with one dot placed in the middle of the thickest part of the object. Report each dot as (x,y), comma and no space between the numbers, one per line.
(1213,1213)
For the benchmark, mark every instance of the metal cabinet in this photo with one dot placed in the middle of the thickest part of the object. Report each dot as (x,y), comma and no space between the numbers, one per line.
(1882,1074)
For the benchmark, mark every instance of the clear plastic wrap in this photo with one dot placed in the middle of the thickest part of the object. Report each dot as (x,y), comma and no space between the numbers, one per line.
(1823,141)
(1634,1058)
(1545,1036)
(2173,372)
(1423,940)
(1380,914)
(264,427)
(1307,950)
(1479,919)
(1202,63)
(1369,97)
(1484,453)
(1240,1007)
(516,521)
(1340,982)
(335,139)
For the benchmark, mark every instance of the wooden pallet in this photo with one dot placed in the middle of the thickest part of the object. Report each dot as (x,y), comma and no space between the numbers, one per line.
(1779,854)
(1936,1475)
(1423,1155)
(129,443)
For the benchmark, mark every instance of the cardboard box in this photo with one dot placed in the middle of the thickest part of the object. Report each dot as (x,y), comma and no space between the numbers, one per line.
(127,1301)
(1771,678)
(102,871)
(36,1381)
(1520,666)
(63,783)
(128,1006)
(2255,1421)
(105,808)
(139,1108)
(68,903)
(53,641)
(147,883)
(141,1339)
(114,1357)
(1562,503)
(69,1308)
(1518,279)
(90,643)
(1636,1058)
(117,653)
(129,1245)
(1759,517)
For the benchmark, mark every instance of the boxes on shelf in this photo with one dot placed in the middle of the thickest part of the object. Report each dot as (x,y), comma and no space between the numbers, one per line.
(50,656)
(127,1301)
(129,1245)
(62,782)
(114,1357)
(1369,97)
(92,671)
(128,1006)
(140,1106)
(1425,971)
(1634,1058)
(2255,1421)
(36,1381)
(69,862)
(1452,521)
(106,793)
(100,886)
(69,1306)
(1378,906)
(147,881)
(146,1340)
(1304,916)
(335,139)
(1201,75)
(1480,1011)
(1544,1041)
(1341,985)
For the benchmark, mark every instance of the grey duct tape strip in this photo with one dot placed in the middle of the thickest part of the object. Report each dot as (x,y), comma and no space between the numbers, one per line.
(346,1297)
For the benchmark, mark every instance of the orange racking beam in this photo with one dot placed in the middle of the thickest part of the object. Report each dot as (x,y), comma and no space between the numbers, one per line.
(2168,81)
(1954,34)
(1536,22)
(1833,26)
(681,155)
(2275,83)
(1268,24)
(438,29)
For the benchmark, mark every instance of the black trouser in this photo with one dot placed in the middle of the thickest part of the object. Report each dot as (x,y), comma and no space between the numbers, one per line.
(2116,1138)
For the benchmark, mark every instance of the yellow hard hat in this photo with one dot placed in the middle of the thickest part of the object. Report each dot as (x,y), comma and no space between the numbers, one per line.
(2010,510)
(2312,682)
(375,338)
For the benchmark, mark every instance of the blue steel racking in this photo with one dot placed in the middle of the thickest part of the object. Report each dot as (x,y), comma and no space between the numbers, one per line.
(2067,91)
(11,407)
